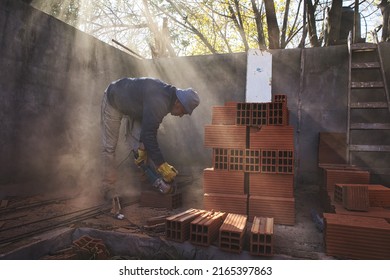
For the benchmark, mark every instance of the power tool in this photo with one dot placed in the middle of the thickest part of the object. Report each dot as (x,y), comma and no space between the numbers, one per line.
(155,179)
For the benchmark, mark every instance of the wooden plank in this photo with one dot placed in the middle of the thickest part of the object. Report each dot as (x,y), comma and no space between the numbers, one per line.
(365,65)
(369,105)
(384,78)
(363,47)
(369,148)
(379,126)
(374,84)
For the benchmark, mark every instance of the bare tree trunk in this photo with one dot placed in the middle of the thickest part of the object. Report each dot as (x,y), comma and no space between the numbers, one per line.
(273,28)
(237,19)
(304,27)
(334,22)
(385,9)
(284,27)
(259,25)
(311,22)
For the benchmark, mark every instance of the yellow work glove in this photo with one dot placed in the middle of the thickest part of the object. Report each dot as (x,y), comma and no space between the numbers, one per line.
(142,157)
(167,171)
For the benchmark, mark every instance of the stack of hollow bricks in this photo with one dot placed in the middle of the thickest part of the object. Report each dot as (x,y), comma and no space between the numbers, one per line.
(360,209)
(253,161)
(203,227)
(339,174)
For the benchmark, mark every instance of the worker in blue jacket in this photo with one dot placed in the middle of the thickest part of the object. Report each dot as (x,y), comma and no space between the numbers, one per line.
(145,102)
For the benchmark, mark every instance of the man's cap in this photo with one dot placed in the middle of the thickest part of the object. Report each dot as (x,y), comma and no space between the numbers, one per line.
(188,98)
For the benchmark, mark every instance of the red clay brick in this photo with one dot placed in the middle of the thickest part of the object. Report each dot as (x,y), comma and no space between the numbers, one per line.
(205,228)
(224,115)
(344,176)
(244,116)
(221,158)
(252,161)
(261,236)
(354,198)
(378,195)
(178,226)
(272,137)
(232,233)
(259,114)
(225,136)
(280,98)
(230,203)
(277,161)
(222,181)
(277,185)
(356,237)
(229,159)
(236,160)
(92,247)
(280,208)
(376,212)
(278,113)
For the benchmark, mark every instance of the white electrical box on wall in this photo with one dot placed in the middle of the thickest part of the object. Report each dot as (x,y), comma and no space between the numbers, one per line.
(258,76)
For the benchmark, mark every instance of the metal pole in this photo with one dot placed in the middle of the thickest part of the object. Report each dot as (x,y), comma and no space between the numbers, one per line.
(128,49)
(355,22)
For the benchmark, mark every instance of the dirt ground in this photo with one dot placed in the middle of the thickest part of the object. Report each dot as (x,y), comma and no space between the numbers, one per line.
(304,240)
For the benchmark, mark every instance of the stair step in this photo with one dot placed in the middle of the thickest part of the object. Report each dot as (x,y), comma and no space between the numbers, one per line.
(369,105)
(365,65)
(377,84)
(367,126)
(364,47)
(369,148)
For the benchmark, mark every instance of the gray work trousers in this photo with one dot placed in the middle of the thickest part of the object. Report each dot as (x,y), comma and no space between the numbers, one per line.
(111,120)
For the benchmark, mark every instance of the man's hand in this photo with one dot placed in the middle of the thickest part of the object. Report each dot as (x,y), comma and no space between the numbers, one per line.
(167,171)
(142,157)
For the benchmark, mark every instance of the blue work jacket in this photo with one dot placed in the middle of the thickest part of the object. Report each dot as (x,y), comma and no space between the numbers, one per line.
(148,101)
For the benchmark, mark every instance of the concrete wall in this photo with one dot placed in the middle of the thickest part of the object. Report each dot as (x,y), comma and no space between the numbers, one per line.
(317,99)
(51,84)
(54,76)
(51,91)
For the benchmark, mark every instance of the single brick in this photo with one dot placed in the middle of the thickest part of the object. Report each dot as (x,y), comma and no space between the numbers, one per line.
(261,236)
(205,228)
(282,209)
(225,115)
(222,181)
(356,237)
(178,226)
(225,136)
(272,138)
(267,184)
(232,233)
(231,203)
